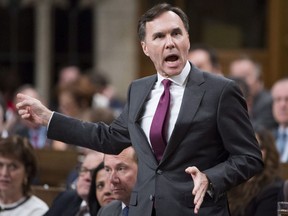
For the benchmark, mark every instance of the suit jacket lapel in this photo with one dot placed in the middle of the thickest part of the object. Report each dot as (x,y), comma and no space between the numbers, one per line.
(192,97)
(136,111)
(139,97)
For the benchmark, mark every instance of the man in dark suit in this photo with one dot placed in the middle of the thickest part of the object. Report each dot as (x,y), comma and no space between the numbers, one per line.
(211,145)
(122,181)
(259,99)
(280,111)
(205,58)
(70,202)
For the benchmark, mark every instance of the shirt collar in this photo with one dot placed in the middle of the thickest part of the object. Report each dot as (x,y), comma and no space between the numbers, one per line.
(179,79)
(13,205)
(282,130)
(123,205)
(83,203)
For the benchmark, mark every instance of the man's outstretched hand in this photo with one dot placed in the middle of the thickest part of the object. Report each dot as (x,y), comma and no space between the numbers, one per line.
(33,110)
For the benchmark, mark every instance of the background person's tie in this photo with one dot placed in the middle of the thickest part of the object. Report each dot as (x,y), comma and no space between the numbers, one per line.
(281,142)
(125,211)
(281,146)
(157,130)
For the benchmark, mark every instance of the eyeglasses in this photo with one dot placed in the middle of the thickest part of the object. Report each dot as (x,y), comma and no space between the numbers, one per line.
(83,170)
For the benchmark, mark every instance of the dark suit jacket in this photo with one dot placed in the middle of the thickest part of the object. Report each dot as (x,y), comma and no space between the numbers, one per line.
(112,209)
(213,132)
(66,203)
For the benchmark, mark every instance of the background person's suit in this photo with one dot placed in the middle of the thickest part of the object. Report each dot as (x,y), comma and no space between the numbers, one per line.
(261,110)
(212,132)
(112,209)
(66,203)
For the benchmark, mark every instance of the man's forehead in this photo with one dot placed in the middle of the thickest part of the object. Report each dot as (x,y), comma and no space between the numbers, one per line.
(116,159)
(166,18)
(278,88)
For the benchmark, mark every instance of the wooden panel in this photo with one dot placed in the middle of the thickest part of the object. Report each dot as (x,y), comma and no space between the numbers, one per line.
(46,194)
(284,170)
(278,39)
(54,166)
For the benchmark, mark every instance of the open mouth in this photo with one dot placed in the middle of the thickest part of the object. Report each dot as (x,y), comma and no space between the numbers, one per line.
(171,58)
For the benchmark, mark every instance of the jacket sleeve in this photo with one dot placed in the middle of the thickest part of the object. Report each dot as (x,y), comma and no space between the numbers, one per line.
(97,136)
(237,134)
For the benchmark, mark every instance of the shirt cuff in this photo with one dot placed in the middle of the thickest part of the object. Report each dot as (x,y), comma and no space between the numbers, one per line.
(50,119)
(210,190)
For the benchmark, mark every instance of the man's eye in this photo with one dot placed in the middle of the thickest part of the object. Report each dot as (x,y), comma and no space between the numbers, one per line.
(177,33)
(121,168)
(12,167)
(158,36)
(107,169)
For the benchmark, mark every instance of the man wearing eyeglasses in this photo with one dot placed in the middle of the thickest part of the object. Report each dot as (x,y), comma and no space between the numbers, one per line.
(74,202)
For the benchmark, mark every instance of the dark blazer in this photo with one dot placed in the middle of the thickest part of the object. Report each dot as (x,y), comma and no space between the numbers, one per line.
(213,132)
(66,203)
(112,209)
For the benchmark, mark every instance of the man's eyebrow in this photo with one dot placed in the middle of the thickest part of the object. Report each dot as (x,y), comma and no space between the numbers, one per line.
(177,29)
(157,34)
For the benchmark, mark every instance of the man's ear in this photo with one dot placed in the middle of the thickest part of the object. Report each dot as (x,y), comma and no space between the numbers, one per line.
(144,48)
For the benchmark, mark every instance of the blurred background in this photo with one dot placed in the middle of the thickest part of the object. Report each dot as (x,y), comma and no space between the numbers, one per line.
(38,37)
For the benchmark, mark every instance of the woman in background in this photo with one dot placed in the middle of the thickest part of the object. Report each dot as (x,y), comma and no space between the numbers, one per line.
(100,193)
(17,171)
(259,195)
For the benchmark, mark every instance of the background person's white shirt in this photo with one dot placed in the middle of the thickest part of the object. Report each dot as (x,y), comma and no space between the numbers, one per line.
(32,207)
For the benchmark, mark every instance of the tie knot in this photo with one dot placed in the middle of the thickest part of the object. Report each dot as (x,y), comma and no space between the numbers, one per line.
(166,83)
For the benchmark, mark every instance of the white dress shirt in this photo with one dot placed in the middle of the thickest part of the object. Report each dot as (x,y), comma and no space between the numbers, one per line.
(176,94)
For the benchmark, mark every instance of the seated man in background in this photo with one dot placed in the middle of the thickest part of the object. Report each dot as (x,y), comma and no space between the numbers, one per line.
(205,58)
(259,100)
(122,170)
(71,201)
(280,112)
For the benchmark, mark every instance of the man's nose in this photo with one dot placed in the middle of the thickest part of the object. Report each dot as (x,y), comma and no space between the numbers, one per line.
(4,170)
(169,42)
(114,178)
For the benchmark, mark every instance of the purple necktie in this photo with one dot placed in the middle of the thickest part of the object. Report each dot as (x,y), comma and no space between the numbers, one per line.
(157,130)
